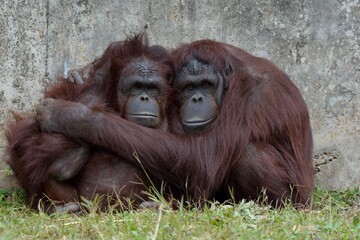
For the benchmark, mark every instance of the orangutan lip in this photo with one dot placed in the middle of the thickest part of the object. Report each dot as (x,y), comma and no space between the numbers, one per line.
(195,123)
(143,116)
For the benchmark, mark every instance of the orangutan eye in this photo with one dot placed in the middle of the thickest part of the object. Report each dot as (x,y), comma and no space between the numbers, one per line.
(207,85)
(152,87)
(137,86)
(190,86)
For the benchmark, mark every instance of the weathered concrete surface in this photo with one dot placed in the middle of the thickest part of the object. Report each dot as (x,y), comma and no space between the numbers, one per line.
(23,40)
(316,42)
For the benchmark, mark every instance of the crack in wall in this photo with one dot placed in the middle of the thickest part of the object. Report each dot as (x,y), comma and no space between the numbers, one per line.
(47,40)
(325,157)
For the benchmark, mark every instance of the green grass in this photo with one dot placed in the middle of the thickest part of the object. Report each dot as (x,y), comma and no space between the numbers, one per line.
(335,215)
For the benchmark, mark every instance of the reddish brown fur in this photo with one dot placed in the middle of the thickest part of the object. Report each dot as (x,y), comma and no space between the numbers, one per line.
(32,152)
(263,133)
(261,139)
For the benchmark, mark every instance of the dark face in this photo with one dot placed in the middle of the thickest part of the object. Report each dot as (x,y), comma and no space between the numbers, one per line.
(144,89)
(201,93)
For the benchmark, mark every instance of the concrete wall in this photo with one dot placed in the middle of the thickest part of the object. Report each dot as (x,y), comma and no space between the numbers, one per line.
(316,42)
